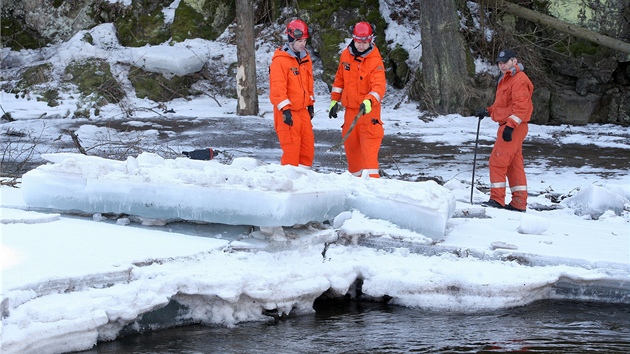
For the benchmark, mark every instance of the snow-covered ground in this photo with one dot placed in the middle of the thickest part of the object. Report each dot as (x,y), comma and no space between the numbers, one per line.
(70,280)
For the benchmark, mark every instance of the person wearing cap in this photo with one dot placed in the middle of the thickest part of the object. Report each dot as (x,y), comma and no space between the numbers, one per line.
(359,87)
(512,109)
(292,95)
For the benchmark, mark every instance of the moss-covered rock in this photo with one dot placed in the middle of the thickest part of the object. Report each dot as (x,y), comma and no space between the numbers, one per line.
(158,88)
(221,13)
(50,96)
(143,21)
(17,36)
(399,73)
(104,11)
(329,52)
(39,81)
(35,75)
(190,23)
(578,47)
(330,19)
(139,24)
(49,21)
(94,78)
(87,38)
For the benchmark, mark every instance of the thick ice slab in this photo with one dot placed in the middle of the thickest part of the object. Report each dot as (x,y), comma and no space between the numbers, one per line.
(243,193)
(183,189)
(423,207)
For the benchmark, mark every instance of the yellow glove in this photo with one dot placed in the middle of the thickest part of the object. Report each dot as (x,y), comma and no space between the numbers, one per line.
(366,106)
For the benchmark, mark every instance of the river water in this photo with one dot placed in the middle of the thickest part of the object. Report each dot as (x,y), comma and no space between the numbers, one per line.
(367,327)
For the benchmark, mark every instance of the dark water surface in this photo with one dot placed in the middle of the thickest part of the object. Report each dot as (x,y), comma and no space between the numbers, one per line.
(402,155)
(351,327)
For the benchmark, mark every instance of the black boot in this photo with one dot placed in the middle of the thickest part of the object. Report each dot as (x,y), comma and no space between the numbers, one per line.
(492,203)
(511,208)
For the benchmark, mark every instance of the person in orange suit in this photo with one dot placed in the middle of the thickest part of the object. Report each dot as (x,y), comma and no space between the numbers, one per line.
(359,87)
(512,109)
(291,93)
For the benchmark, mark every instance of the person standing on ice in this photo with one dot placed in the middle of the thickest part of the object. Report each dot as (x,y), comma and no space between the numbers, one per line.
(512,109)
(359,86)
(291,93)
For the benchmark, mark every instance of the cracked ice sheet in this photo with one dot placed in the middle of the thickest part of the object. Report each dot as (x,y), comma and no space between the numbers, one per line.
(226,288)
(605,241)
(71,248)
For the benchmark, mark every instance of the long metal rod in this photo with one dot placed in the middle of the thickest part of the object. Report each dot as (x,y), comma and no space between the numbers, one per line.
(472,182)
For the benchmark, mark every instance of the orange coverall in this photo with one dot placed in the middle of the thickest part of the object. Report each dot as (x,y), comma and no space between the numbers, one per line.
(291,87)
(512,107)
(359,78)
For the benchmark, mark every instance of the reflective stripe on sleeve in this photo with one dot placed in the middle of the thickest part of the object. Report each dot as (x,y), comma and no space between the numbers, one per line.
(516,119)
(336,89)
(283,104)
(376,95)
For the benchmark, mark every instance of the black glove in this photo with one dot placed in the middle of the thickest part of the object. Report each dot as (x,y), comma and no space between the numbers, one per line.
(288,118)
(483,112)
(311,111)
(507,133)
(334,107)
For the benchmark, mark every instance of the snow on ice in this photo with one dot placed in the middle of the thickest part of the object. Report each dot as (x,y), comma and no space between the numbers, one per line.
(164,60)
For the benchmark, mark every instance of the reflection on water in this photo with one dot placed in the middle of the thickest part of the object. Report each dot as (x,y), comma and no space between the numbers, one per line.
(350,327)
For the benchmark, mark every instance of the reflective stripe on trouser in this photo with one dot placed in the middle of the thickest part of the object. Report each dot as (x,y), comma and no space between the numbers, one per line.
(374,173)
(506,161)
(297,142)
(364,142)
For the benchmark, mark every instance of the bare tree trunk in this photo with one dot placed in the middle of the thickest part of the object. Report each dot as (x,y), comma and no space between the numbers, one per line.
(246,89)
(444,86)
(561,26)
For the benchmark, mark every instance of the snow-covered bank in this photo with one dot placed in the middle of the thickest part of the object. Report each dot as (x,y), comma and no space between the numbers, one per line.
(69,282)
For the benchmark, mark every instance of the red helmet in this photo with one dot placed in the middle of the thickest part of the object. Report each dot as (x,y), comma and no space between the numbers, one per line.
(363,32)
(297,29)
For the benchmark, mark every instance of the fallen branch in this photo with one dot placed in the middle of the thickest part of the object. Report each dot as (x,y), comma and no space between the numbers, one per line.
(354,122)
(77,143)
(562,26)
